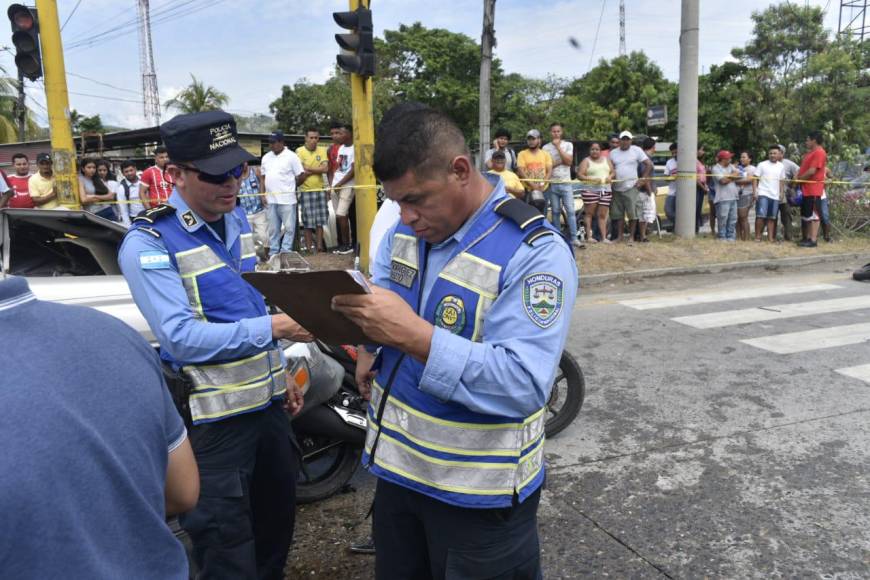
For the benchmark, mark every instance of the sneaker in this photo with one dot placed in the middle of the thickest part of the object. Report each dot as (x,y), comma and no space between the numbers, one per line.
(808,244)
(346,249)
(579,244)
(367,546)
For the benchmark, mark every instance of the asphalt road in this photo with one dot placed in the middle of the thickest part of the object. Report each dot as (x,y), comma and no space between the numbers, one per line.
(696,455)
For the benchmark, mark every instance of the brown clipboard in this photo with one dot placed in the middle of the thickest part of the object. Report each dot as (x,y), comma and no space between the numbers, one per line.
(306,297)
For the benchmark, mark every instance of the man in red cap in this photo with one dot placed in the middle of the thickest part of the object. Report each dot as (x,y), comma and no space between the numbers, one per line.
(726,175)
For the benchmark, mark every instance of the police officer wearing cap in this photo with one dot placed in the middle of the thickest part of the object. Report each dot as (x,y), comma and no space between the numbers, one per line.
(471,306)
(183,262)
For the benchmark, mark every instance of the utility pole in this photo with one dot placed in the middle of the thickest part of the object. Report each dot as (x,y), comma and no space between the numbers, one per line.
(621,27)
(20,108)
(150,96)
(687,128)
(487,42)
(63,153)
(364,152)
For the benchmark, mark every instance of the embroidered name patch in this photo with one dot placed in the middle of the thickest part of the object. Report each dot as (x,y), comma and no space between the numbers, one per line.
(542,298)
(154,260)
(450,314)
(402,274)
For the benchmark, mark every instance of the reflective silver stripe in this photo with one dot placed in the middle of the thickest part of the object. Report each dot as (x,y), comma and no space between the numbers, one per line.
(458,438)
(530,465)
(478,478)
(484,303)
(474,273)
(197,261)
(405,250)
(226,402)
(192,290)
(247,245)
(237,373)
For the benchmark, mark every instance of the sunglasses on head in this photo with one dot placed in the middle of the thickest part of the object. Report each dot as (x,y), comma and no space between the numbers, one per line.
(235,172)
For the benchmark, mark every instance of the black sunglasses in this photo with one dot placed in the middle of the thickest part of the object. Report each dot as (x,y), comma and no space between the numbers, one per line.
(235,172)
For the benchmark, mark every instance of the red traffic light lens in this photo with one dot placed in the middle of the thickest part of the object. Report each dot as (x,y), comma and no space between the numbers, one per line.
(23,20)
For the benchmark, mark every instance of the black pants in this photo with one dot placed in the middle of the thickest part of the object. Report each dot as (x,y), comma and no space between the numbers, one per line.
(786,215)
(419,538)
(700,194)
(243,523)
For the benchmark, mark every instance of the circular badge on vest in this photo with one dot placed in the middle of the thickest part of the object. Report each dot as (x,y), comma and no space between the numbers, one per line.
(450,314)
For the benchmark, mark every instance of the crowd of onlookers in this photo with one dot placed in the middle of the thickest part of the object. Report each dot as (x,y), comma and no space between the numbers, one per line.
(615,180)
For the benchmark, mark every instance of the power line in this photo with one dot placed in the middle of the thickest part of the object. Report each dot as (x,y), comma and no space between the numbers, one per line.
(597,30)
(179,10)
(72,74)
(76,7)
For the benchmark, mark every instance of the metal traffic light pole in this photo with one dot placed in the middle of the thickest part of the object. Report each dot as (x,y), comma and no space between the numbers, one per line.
(63,153)
(363,126)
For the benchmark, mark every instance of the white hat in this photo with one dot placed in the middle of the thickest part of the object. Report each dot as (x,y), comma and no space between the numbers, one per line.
(626,135)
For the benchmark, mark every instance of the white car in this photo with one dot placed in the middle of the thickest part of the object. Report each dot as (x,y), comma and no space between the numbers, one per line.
(71,257)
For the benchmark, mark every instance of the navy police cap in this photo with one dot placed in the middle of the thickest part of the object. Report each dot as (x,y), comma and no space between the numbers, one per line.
(208,140)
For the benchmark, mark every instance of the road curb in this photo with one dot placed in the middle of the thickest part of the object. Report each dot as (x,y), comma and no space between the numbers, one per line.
(630,275)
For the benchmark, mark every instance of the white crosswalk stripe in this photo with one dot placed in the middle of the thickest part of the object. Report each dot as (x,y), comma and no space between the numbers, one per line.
(774,312)
(672,301)
(861,372)
(807,340)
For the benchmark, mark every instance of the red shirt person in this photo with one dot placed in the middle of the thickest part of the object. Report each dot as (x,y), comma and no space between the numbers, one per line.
(18,183)
(156,183)
(811,178)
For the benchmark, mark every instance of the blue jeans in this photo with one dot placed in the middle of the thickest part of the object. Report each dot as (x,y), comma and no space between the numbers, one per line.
(826,211)
(558,194)
(726,218)
(281,214)
(671,208)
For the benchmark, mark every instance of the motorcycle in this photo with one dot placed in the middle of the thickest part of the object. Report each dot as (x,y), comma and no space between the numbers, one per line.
(332,425)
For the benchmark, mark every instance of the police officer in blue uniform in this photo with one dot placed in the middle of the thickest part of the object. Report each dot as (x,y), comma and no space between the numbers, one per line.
(183,262)
(471,306)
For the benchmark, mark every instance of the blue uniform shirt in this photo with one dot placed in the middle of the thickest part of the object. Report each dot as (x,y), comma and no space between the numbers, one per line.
(159,293)
(511,372)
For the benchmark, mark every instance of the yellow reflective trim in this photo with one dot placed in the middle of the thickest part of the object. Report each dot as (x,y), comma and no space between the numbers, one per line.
(235,411)
(233,386)
(224,390)
(246,256)
(530,478)
(405,262)
(191,251)
(204,270)
(449,462)
(453,488)
(539,441)
(477,332)
(468,286)
(406,236)
(481,261)
(197,305)
(234,364)
(477,426)
(444,448)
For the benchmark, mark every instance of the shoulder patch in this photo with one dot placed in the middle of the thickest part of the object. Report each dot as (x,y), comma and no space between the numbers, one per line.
(543,298)
(189,218)
(149,216)
(518,212)
(154,260)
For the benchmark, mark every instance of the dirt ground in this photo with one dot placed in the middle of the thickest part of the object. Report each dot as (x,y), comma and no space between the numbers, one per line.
(665,252)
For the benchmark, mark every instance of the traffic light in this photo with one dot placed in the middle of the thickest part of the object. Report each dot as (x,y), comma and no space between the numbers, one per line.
(25,38)
(361,42)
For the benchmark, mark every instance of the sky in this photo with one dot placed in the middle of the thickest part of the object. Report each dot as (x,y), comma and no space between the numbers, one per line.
(250,48)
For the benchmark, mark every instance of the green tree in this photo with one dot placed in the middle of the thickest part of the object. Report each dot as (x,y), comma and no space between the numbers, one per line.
(197,97)
(9,113)
(617,94)
(435,67)
(91,124)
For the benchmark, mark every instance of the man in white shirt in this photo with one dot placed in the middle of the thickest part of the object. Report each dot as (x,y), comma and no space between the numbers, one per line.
(767,189)
(280,172)
(342,188)
(561,191)
(626,196)
(129,202)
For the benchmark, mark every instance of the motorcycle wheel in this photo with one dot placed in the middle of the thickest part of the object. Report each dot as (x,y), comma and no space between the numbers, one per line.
(329,467)
(566,398)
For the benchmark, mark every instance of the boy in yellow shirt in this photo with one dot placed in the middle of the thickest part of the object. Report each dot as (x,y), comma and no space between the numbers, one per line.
(512,183)
(312,194)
